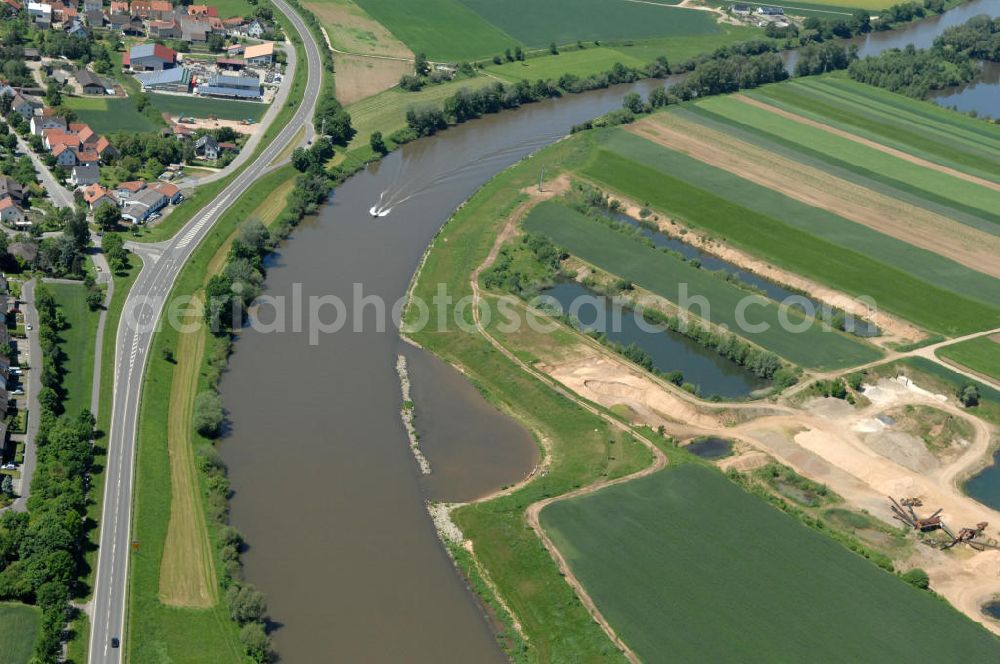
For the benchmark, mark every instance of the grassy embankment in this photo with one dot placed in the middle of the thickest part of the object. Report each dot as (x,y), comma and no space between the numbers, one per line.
(79,340)
(169,494)
(18,628)
(661,274)
(582,447)
(757,586)
(803,239)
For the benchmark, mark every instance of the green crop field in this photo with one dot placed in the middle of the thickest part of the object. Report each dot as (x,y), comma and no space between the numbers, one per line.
(107,116)
(78,344)
(566,21)
(918,127)
(808,241)
(581,63)
(686,566)
(18,628)
(982,355)
(204,107)
(962,192)
(674,279)
(443,29)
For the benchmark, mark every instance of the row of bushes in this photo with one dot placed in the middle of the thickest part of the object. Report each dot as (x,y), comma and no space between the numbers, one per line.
(42,550)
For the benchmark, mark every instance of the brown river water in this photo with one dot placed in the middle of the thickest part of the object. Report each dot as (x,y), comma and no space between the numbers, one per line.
(326,490)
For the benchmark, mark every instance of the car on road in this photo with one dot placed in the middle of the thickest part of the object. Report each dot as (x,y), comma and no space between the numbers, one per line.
(29,327)
(18,392)
(115,642)
(9,466)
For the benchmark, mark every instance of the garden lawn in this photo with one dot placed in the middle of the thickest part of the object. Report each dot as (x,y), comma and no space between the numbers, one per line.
(204,107)
(79,340)
(676,280)
(963,192)
(803,239)
(981,355)
(18,629)
(107,116)
(567,21)
(442,29)
(686,566)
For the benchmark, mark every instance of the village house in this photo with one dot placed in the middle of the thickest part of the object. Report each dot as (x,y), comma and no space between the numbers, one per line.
(167,29)
(11,213)
(11,188)
(171,191)
(41,15)
(84,174)
(95,18)
(65,155)
(46,120)
(259,54)
(150,9)
(207,147)
(23,106)
(92,5)
(256,29)
(32,54)
(119,7)
(127,25)
(95,195)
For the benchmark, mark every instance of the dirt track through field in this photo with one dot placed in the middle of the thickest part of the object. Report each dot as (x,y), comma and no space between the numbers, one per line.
(869,143)
(970,247)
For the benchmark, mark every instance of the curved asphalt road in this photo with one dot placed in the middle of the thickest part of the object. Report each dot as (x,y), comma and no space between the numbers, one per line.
(139,318)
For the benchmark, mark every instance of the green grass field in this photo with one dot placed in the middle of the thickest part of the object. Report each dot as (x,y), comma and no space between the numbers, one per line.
(18,628)
(666,275)
(699,570)
(229,8)
(443,29)
(204,107)
(566,21)
(962,192)
(806,240)
(107,116)
(918,127)
(981,355)
(78,343)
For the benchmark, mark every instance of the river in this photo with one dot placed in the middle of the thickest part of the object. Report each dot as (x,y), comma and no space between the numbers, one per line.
(326,491)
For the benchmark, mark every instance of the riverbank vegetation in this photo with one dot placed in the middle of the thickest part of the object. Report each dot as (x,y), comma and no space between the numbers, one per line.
(954,59)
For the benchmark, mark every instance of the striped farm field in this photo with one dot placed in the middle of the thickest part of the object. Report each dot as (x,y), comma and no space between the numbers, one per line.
(967,244)
(918,127)
(803,239)
(981,355)
(668,276)
(942,185)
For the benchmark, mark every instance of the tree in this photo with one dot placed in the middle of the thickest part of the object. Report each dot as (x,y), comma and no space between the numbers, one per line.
(7,486)
(107,217)
(215,43)
(632,102)
(377,143)
(95,299)
(553,49)
(255,640)
(208,414)
(167,354)
(246,603)
(421,65)
(49,401)
(53,96)
(518,54)
(968,394)
(917,577)
(507,56)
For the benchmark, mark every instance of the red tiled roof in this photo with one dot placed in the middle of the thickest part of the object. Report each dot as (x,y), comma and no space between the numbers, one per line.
(93,192)
(132,185)
(88,156)
(167,189)
(6,203)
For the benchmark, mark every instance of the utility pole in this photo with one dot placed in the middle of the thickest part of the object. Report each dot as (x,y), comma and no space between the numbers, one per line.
(541,176)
